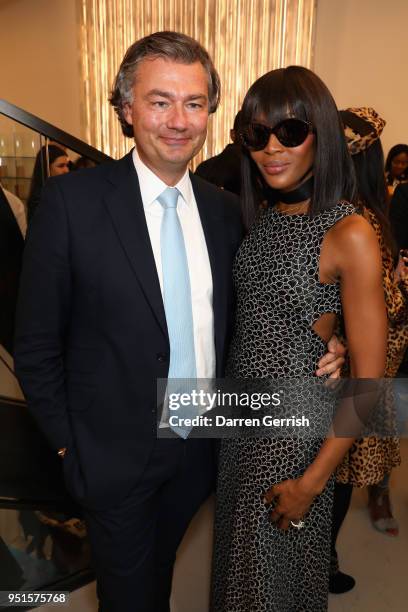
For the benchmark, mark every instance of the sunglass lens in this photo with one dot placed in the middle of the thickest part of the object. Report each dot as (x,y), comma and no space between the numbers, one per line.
(291,132)
(255,136)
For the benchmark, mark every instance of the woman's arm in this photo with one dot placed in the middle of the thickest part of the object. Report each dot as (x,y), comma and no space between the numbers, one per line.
(352,255)
(357,259)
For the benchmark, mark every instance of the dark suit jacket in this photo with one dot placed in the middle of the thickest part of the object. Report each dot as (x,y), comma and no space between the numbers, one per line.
(11,254)
(223,170)
(91,335)
(399,215)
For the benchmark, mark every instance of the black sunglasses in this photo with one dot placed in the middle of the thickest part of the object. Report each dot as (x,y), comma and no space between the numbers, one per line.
(290,132)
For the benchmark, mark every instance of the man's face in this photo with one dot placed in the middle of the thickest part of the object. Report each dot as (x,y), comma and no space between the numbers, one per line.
(169,115)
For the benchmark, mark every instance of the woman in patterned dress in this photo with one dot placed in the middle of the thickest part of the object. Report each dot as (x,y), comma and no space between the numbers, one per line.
(307,258)
(370,460)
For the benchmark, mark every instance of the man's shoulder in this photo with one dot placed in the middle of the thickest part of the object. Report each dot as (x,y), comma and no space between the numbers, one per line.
(399,200)
(82,193)
(203,167)
(215,196)
(88,177)
(402,190)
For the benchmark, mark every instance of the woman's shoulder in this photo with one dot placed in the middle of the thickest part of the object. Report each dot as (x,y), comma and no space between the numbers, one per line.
(353,230)
(333,216)
(350,245)
(338,211)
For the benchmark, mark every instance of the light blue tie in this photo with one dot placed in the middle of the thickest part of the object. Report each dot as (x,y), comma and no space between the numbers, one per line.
(177,305)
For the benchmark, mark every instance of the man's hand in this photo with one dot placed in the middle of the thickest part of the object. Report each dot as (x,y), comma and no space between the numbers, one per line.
(332,362)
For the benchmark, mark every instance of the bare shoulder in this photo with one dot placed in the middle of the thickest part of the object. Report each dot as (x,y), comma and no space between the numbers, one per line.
(353,232)
(350,245)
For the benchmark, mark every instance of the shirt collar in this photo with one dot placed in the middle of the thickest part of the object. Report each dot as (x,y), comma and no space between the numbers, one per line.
(151,186)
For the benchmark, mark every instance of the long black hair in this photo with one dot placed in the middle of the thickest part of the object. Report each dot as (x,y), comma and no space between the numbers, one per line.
(372,188)
(297,92)
(40,174)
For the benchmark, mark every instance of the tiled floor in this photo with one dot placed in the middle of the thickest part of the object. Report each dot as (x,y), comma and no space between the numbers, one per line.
(379,563)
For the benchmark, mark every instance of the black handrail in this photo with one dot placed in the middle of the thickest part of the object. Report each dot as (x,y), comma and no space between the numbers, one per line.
(51,132)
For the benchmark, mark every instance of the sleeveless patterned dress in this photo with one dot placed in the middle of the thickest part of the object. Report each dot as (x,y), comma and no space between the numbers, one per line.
(258,567)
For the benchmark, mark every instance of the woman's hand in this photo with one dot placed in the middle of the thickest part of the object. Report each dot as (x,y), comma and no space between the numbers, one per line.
(293,499)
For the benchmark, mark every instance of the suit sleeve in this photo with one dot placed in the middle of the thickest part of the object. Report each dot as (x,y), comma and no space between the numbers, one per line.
(395,294)
(399,216)
(43,314)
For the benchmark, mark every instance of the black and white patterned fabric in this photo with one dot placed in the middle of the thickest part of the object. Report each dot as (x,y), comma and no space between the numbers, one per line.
(258,567)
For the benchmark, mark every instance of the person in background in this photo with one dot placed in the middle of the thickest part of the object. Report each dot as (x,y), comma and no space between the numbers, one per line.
(370,460)
(396,167)
(224,170)
(83,162)
(57,161)
(399,216)
(11,253)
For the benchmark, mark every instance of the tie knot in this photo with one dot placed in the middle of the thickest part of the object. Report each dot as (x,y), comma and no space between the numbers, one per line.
(169,197)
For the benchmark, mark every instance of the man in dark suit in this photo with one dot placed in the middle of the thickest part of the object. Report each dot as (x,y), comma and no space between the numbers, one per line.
(399,215)
(93,334)
(103,314)
(224,169)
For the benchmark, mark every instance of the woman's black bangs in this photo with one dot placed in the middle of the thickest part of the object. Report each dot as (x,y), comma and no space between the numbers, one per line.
(272,102)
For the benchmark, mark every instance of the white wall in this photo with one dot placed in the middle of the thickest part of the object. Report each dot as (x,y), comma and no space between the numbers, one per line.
(361,54)
(39,60)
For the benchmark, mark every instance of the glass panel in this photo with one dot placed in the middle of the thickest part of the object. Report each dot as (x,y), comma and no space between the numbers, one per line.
(18,148)
(27,160)
(43,540)
(40,548)
(52,159)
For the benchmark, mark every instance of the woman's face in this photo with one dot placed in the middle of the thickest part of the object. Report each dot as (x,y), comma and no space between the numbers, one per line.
(59,166)
(399,164)
(282,167)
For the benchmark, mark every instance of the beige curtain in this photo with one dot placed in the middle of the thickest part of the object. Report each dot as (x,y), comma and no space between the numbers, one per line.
(245,38)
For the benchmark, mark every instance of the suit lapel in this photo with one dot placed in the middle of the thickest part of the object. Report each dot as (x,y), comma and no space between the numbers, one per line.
(125,207)
(214,232)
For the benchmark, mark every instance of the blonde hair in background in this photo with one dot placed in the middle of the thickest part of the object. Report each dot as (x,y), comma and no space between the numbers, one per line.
(245,39)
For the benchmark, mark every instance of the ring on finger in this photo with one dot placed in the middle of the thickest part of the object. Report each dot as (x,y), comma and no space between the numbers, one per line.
(299,525)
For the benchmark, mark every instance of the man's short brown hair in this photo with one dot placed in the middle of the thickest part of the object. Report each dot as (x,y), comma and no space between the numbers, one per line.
(172,46)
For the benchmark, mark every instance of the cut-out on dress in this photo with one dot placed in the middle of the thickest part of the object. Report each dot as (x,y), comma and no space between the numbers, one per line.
(258,567)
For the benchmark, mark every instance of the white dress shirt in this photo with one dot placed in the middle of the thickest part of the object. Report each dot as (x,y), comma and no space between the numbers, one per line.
(151,186)
(18,210)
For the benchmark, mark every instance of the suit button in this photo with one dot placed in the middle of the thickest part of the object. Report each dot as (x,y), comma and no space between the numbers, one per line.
(161,357)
